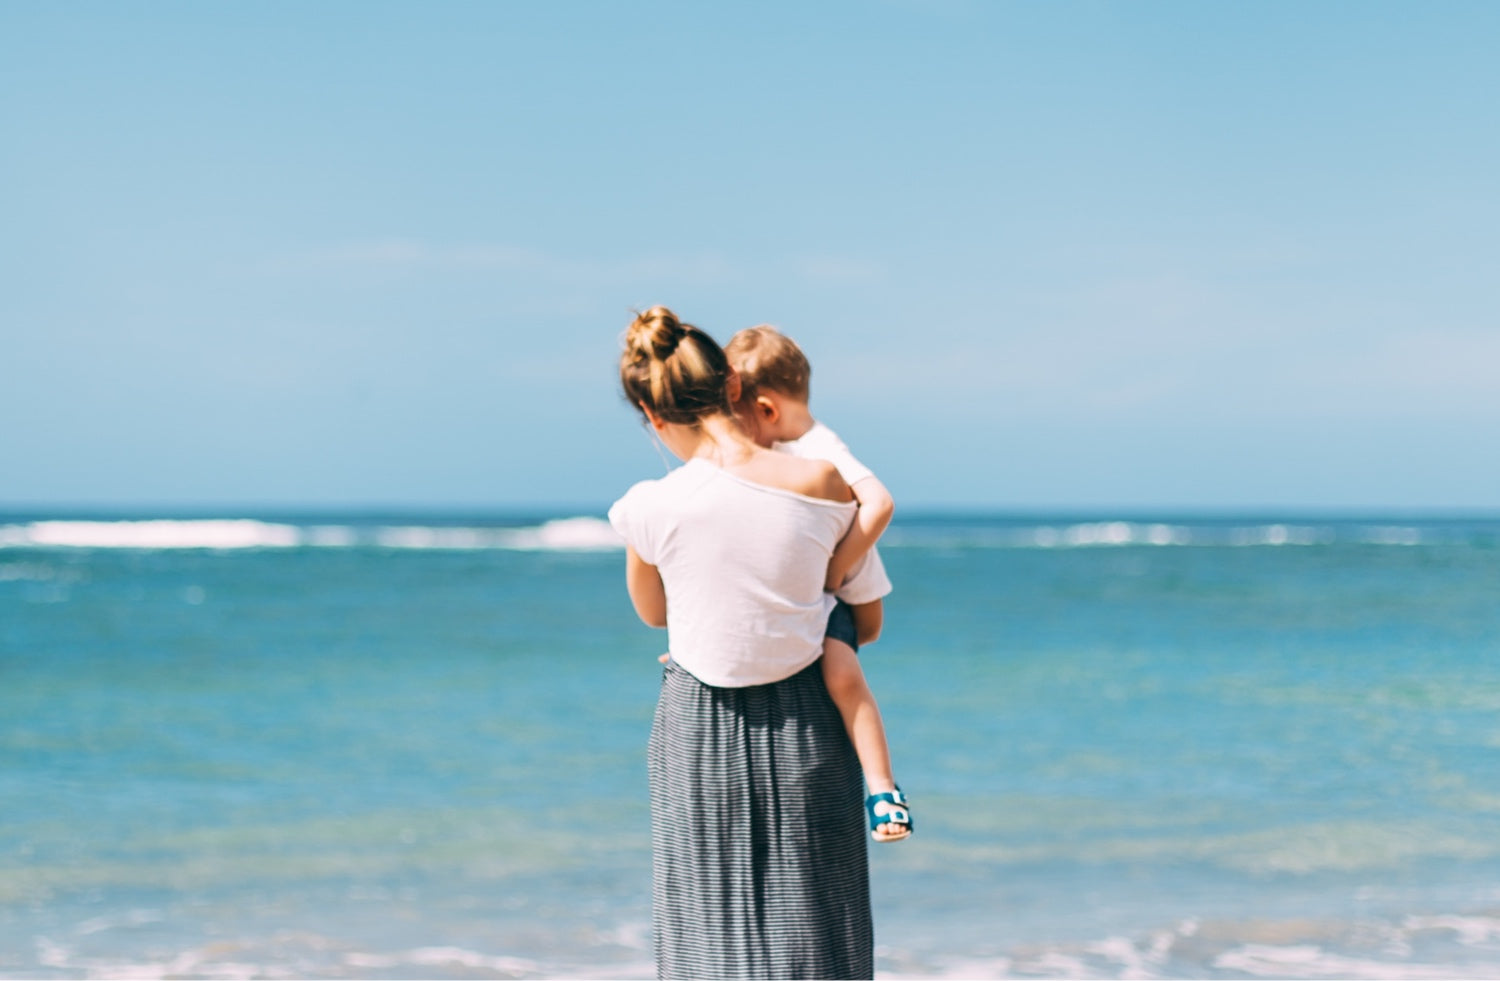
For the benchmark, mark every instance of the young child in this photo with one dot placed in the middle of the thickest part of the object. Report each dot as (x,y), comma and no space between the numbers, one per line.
(774,379)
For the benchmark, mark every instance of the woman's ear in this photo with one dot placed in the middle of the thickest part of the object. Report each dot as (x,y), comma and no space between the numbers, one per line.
(733,387)
(651,417)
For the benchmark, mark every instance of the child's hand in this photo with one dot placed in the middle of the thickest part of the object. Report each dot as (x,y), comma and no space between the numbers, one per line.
(665,657)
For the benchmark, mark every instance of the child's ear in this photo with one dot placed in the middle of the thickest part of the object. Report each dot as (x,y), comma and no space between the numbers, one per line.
(766,409)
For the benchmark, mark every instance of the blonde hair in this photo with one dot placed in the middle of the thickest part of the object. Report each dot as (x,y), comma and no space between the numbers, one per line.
(764,357)
(672,368)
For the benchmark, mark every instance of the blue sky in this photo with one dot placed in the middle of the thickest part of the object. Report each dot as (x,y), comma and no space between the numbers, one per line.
(1063,255)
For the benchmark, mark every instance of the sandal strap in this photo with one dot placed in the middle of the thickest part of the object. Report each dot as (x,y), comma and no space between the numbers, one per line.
(899,813)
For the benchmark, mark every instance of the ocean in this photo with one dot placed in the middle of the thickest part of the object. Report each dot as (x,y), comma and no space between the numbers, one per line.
(391,746)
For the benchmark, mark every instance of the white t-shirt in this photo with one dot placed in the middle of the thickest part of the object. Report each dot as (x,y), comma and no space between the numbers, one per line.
(743,566)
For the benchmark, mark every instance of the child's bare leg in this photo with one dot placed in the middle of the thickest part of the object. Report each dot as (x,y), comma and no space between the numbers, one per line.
(846,684)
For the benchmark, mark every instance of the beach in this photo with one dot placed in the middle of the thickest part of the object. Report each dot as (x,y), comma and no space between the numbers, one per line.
(413,745)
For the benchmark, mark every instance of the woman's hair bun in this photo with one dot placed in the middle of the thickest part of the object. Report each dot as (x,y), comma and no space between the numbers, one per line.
(655,333)
(672,368)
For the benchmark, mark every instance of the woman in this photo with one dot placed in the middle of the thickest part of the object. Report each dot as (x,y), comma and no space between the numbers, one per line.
(759,861)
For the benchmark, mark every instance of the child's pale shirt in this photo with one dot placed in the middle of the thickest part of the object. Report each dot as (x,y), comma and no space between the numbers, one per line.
(822,443)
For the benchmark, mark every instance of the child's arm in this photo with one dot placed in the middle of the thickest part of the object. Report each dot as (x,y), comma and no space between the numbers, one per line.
(875,509)
(647,593)
(868,619)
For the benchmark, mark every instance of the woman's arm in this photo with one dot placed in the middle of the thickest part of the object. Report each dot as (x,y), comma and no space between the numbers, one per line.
(647,592)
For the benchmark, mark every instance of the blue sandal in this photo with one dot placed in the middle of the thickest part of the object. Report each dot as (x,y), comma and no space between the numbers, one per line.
(897,816)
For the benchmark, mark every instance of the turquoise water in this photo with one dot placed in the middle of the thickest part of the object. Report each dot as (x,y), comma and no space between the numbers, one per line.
(410,746)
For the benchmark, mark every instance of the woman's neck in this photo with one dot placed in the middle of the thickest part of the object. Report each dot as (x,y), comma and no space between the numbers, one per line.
(716,439)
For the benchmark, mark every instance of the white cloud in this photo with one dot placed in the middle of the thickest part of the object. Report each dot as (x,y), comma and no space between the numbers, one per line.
(412,255)
(1433,369)
(415,255)
(1174,370)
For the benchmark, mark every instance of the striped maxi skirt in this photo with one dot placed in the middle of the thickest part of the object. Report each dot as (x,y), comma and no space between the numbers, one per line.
(760,867)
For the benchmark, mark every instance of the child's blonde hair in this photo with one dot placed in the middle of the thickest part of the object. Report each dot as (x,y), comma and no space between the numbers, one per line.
(764,357)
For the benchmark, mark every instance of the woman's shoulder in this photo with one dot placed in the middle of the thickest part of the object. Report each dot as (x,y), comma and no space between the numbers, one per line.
(676,482)
(648,503)
(799,475)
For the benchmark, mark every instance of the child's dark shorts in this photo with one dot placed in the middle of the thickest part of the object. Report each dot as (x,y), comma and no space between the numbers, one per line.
(841,625)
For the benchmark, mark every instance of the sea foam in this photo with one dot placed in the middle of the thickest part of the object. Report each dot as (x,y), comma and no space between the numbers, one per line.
(562,534)
(589,533)
(217,533)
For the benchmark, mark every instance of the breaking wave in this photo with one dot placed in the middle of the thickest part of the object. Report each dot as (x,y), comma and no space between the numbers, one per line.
(563,534)
(1159,534)
(588,533)
(1411,948)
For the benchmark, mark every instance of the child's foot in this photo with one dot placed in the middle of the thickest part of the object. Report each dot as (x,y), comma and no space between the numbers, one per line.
(890,815)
